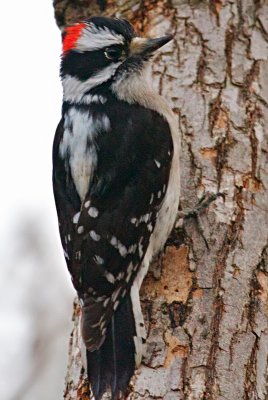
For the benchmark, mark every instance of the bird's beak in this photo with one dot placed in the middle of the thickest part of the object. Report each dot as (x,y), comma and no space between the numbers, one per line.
(146,47)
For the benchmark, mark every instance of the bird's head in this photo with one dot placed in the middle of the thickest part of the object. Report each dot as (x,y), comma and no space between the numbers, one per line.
(102,51)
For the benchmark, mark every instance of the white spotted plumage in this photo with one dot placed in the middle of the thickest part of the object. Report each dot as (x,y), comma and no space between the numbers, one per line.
(119,246)
(94,236)
(157,163)
(99,260)
(80,229)
(93,212)
(110,278)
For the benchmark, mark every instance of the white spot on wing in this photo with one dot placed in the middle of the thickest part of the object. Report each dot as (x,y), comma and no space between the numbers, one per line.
(130,268)
(103,331)
(143,218)
(105,303)
(80,229)
(132,249)
(119,246)
(113,241)
(93,212)
(76,218)
(87,204)
(129,271)
(157,163)
(150,227)
(99,260)
(100,299)
(128,277)
(116,304)
(110,278)
(146,217)
(120,276)
(115,294)
(94,236)
(122,250)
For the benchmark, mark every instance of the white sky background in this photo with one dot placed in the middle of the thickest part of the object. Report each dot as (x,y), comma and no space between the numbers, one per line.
(32,272)
(30,105)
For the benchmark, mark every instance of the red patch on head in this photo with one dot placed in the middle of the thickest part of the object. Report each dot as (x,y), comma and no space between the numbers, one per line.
(72,34)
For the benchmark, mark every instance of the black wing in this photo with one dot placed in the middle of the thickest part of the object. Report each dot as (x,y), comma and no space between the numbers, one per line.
(119,213)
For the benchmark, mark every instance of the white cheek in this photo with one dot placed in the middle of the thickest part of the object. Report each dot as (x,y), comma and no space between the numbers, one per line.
(74,90)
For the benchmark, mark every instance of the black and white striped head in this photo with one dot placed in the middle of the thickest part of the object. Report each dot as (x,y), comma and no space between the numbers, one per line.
(99,51)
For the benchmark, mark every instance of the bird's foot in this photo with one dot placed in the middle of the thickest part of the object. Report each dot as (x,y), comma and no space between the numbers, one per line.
(195,212)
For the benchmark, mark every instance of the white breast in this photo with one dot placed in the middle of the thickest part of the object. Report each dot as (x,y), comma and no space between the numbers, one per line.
(78,143)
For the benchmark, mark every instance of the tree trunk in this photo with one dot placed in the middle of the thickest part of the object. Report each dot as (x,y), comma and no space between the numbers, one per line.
(206,310)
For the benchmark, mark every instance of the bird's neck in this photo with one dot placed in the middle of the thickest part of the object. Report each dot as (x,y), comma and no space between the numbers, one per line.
(138,89)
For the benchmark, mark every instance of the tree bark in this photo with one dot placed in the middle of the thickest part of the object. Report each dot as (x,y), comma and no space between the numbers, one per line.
(206,310)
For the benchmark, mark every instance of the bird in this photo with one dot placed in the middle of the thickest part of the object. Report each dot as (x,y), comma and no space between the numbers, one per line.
(116,183)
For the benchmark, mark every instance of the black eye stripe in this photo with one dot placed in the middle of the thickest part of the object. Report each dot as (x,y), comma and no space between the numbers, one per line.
(113,51)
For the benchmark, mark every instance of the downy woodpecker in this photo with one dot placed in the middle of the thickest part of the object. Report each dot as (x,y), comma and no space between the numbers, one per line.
(116,187)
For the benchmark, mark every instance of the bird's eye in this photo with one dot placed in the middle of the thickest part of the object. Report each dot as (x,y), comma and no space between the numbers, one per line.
(113,53)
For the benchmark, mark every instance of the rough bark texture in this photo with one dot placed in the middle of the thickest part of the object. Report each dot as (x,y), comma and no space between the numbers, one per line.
(206,311)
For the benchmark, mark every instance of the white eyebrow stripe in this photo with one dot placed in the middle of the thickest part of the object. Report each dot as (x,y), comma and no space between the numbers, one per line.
(94,38)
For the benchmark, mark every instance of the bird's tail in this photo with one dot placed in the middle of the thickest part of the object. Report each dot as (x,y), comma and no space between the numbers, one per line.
(112,366)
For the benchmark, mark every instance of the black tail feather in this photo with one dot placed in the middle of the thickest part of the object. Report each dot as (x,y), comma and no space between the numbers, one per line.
(114,385)
(112,366)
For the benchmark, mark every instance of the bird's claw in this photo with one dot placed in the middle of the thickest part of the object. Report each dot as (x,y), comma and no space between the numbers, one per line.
(195,212)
